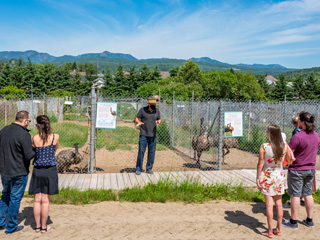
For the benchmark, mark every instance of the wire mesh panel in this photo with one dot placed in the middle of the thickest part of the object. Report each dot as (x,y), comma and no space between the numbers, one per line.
(187,138)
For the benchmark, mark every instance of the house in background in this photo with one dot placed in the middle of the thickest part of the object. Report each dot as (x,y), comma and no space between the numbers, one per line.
(271,80)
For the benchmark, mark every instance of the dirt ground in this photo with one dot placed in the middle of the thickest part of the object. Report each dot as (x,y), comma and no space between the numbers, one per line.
(177,159)
(125,220)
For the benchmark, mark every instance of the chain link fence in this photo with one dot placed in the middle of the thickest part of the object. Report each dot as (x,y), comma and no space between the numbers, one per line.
(179,135)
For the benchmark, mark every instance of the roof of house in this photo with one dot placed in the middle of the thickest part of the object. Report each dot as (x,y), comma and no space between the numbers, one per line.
(74,72)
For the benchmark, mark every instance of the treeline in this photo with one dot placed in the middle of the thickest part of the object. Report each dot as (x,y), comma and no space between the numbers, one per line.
(23,78)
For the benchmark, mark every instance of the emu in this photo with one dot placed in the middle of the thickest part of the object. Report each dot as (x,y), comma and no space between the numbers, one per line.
(113,113)
(227,143)
(67,157)
(200,142)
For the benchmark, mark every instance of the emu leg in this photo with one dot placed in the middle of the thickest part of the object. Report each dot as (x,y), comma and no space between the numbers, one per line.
(198,161)
(195,155)
(224,154)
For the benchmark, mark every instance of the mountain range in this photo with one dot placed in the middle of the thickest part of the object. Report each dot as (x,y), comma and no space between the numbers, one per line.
(127,60)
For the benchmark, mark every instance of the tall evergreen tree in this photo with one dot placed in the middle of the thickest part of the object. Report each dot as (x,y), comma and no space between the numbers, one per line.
(282,90)
(298,85)
(312,87)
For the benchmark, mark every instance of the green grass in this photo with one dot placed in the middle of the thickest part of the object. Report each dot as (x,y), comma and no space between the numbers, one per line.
(74,117)
(188,192)
(70,133)
(166,191)
(120,138)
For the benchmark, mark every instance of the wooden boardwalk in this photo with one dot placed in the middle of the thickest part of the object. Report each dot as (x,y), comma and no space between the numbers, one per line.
(118,181)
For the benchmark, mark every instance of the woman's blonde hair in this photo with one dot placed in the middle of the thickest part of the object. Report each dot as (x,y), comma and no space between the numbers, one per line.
(276,141)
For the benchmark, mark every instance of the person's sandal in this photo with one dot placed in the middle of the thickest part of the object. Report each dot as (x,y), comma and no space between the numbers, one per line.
(276,232)
(44,230)
(38,229)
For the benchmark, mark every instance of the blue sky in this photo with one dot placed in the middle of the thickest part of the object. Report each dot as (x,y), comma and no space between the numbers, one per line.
(286,32)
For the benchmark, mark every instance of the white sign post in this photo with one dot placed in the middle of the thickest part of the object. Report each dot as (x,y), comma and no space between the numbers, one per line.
(106,115)
(233,124)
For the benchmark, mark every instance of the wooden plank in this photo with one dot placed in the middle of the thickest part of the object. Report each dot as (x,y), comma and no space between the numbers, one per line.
(133,179)
(140,180)
(61,178)
(126,180)
(67,181)
(120,181)
(113,181)
(152,177)
(209,176)
(79,183)
(100,181)
(162,176)
(230,178)
(86,182)
(146,178)
(156,176)
(190,175)
(181,177)
(28,183)
(243,179)
(93,181)
(107,181)
(73,181)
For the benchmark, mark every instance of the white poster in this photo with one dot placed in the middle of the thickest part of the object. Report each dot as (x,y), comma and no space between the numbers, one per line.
(106,115)
(233,126)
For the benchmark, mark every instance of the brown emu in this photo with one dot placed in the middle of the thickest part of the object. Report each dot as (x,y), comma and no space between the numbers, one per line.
(227,143)
(67,157)
(200,142)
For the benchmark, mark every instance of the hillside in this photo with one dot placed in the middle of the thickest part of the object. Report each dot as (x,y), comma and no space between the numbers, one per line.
(164,64)
(303,72)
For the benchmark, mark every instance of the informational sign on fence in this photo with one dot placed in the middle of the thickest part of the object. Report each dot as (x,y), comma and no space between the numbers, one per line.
(233,125)
(106,115)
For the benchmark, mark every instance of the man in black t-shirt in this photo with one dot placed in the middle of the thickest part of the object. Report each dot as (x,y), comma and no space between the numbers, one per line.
(147,118)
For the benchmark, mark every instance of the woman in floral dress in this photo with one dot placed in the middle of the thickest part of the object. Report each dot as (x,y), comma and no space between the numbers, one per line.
(271,180)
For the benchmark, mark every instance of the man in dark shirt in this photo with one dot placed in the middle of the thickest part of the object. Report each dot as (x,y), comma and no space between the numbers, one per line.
(294,120)
(15,155)
(150,118)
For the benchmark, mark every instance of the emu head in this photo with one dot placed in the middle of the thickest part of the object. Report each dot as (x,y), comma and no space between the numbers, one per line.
(76,146)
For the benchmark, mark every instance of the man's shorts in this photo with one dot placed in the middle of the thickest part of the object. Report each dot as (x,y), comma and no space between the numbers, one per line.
(300,182)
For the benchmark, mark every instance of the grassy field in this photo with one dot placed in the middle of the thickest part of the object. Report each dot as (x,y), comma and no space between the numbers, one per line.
(70,133)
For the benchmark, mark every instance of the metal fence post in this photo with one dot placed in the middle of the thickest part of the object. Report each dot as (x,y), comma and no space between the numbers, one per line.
(159,99)
(173,103)
(93,127)
(249,118)
(191,127)
(284,113)
(220,149)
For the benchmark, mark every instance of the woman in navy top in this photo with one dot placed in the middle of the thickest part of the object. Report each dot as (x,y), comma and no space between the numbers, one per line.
(44,180)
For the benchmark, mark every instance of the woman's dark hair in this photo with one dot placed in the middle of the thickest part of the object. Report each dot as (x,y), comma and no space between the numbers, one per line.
(308,119)
(276,141)
(44,127)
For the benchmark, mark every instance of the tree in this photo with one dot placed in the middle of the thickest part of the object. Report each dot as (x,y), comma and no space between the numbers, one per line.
(298,85)
(132,79)
(108,81)
(189,72)
(265,85)
(312,87)
(282,89)
(174,71)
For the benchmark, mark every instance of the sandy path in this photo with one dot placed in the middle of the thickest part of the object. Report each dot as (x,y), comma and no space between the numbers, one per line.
(124,220)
